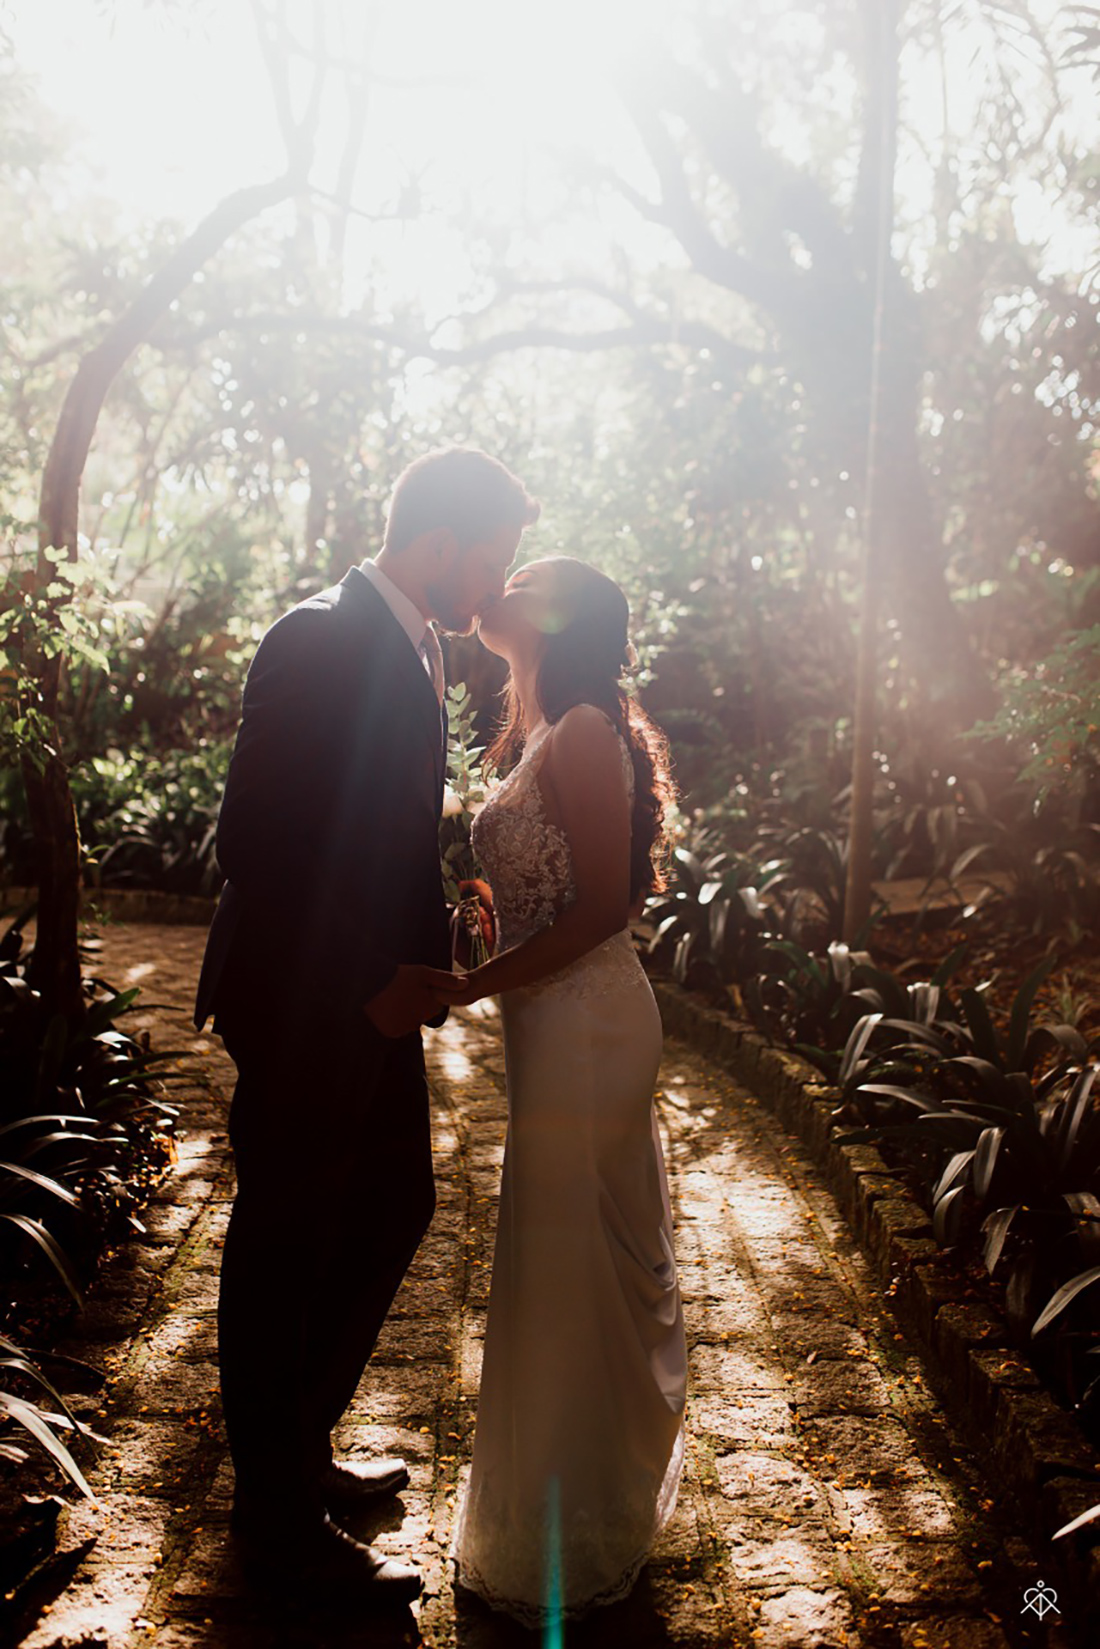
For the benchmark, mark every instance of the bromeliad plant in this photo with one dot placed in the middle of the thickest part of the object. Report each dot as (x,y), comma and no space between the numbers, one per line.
(730,919)
(83,1134)
(1002,1129)
(84,1130)
(815,875)
(21,1374)
(808,1000)
(741,919)
(1050,886)
(713,918)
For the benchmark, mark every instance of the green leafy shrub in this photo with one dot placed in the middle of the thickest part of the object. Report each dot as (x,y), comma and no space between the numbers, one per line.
(1050,712)
(146,820)
(927,813)
(150,820)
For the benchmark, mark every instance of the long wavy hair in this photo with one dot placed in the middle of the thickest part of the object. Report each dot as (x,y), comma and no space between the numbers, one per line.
(587,653)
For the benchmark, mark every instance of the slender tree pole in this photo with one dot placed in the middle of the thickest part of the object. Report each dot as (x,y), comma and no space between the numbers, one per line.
(883,17)
(55,965)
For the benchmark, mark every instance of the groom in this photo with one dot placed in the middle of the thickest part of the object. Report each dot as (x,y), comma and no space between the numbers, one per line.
(328,951)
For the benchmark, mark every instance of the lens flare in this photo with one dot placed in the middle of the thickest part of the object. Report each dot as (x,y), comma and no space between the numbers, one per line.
(553,1637)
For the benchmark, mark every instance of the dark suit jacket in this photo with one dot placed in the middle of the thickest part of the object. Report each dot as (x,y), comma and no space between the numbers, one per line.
(328,832)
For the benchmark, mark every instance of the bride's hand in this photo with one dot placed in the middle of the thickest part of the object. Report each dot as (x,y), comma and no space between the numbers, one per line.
(467,989)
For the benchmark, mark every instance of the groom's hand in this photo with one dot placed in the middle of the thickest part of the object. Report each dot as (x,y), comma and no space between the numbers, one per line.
(413,995)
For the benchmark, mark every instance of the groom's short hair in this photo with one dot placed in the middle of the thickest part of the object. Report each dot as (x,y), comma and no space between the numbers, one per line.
(461,488)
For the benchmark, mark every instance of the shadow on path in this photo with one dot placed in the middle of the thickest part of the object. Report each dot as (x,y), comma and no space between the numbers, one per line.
(826,1503)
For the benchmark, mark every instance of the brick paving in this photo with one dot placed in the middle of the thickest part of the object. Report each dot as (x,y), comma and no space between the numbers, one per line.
(826,1502)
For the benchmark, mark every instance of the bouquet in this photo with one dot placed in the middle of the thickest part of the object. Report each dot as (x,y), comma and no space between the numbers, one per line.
(473,928)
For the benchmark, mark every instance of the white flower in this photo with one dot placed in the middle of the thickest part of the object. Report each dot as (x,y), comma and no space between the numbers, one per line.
(484,793)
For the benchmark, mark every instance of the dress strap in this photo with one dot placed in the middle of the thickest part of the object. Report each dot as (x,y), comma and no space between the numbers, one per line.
(536,744)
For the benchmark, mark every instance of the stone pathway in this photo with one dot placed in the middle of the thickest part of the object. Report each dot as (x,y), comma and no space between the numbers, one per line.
(826,1501)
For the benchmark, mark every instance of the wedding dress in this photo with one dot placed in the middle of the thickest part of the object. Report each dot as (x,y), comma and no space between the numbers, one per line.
(579,1440)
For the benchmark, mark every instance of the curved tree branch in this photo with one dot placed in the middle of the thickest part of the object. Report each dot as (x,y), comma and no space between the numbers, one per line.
(645,332)
(59,502)
(680,213)
(55,967)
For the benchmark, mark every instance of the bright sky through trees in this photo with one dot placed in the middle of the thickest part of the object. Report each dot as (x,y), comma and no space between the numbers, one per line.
(170,107)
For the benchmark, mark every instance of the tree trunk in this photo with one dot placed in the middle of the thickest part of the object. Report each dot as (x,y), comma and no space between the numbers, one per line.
(951,686)
(823,314)
(857,892)
(55,966)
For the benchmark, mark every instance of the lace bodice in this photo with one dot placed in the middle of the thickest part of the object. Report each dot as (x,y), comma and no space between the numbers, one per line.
(529,867)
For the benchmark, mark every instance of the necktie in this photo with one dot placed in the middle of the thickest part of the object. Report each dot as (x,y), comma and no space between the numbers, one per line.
(432,654)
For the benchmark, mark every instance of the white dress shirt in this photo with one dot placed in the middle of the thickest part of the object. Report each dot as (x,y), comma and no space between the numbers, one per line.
(412,621)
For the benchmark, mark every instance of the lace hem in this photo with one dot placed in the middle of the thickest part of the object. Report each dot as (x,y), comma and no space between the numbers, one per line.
(534,1615)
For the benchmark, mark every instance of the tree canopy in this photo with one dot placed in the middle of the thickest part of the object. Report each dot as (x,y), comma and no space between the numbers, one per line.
(666,329)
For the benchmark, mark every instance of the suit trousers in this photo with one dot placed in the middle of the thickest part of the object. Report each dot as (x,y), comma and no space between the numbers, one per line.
(332,1143)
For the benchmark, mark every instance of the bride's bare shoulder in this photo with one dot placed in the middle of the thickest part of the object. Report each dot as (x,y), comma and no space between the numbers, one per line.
(584,743)
(585,724)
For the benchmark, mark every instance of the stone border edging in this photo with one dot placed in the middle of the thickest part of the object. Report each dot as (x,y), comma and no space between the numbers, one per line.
(1036,1450)
(127,904)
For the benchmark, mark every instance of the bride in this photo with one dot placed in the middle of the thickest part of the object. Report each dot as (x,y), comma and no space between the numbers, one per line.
(579,1440)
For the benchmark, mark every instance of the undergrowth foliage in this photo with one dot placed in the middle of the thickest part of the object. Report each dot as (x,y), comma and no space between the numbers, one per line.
(85,1131)
(1000,1131)
(995,1125)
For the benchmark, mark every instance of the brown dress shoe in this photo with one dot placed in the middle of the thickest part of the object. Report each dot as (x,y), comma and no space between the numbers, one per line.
(348,1485)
